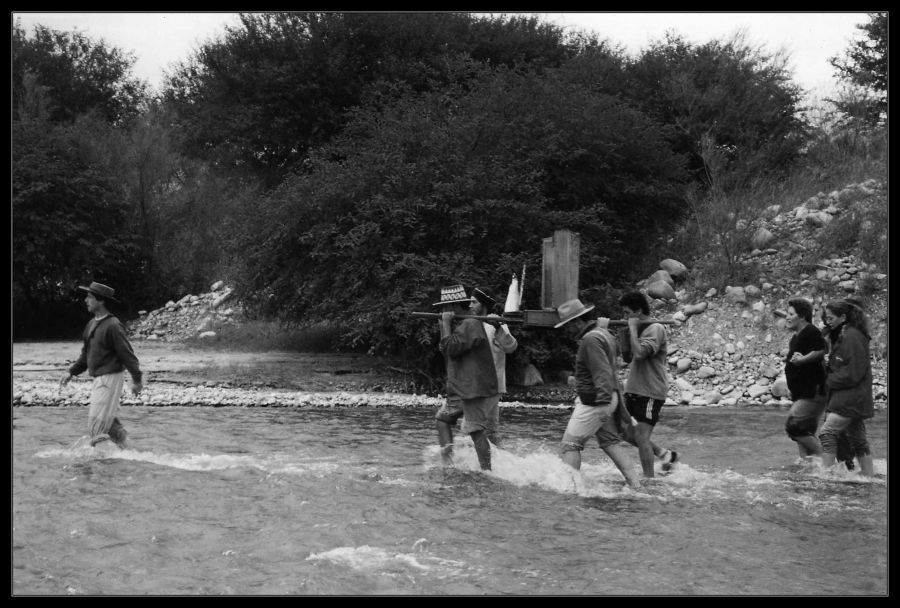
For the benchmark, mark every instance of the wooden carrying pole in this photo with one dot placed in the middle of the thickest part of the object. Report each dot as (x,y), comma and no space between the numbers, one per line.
(532,318)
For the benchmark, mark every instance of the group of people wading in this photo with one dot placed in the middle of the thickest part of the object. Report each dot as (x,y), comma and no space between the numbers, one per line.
(836,385)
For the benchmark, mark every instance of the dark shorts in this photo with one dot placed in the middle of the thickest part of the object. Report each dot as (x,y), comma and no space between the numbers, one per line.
(644,409)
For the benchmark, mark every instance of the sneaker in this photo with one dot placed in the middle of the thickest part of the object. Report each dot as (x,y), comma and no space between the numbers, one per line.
(669,460)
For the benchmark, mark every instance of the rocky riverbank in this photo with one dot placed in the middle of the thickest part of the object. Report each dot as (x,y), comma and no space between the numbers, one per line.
(726,348)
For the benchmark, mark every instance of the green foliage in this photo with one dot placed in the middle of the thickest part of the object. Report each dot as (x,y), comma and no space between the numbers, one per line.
(79,75)
(280,84)
(739,96)
(455,187)
(68,227)
(865,65)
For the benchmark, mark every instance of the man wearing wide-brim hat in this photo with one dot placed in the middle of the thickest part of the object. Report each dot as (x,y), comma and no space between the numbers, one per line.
(598,411)
(471,377)
(106,353)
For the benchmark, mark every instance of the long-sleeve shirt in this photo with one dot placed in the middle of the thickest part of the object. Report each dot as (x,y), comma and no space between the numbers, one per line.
(595,366)
(106,350)
(849,379)
(648,373)
(470,364)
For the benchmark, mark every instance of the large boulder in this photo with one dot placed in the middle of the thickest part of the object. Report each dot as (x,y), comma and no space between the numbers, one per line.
(761,238)
(660,290)
(660,275)
(695,309)
(676,269)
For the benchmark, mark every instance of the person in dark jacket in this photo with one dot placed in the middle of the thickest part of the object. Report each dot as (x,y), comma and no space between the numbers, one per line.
(472,388)
(106,354)
(848,384)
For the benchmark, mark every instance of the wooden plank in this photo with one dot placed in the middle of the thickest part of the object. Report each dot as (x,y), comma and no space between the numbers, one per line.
(559,276)
(547,273)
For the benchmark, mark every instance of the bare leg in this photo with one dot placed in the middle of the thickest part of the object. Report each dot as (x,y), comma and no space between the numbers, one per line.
(572,458)
(619,455)
(866,467)
(809,445)
(645,447)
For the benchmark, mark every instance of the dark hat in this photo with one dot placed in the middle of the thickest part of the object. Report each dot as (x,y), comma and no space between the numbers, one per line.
(99,289)
(483,297)
(454,294)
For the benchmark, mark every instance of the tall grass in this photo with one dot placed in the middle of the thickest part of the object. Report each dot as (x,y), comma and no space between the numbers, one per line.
(716,238)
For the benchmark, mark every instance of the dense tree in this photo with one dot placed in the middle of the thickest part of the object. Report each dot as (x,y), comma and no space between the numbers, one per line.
(456,186)
(69,225)
(178,210)
(79,75)
(280,84)
(865,65)
(738,96)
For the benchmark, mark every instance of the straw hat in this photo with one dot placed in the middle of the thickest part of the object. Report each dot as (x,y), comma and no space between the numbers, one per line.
(571,310)
(454,294)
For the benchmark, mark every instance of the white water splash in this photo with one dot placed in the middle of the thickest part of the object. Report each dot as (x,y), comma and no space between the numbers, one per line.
(376,559)
(274,464)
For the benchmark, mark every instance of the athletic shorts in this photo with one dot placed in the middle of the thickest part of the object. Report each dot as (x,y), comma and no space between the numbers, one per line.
(644,409)
(591,421)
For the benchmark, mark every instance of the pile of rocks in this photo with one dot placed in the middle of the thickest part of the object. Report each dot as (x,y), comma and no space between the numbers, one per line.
(734,352)
(193,316)
(77,394)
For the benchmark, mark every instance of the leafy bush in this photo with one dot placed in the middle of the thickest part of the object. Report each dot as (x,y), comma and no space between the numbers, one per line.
(456,187)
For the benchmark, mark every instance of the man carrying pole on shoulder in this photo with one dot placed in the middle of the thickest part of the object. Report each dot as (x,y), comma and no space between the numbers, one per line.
(471,377)
(646,349)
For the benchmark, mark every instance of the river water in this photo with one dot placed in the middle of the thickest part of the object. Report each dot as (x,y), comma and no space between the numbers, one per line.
(295,501)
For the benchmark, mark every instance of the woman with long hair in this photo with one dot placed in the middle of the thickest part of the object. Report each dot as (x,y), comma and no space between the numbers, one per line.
(848,383)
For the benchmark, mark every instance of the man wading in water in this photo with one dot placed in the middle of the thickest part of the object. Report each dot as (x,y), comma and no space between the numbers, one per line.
(599,411)
(106,354)
(471,378)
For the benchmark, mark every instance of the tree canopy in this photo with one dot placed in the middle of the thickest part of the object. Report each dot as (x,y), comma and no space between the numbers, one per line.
(270,90)
(340,167)
(865,64)
(455,186)
(78,74)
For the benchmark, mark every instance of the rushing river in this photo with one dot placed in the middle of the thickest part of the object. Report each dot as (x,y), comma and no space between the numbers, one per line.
(292,501)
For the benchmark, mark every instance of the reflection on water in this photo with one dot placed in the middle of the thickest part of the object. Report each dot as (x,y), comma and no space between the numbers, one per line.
(293,501)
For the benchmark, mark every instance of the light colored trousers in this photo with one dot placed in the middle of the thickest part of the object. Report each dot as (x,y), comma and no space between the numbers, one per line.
(106,393)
